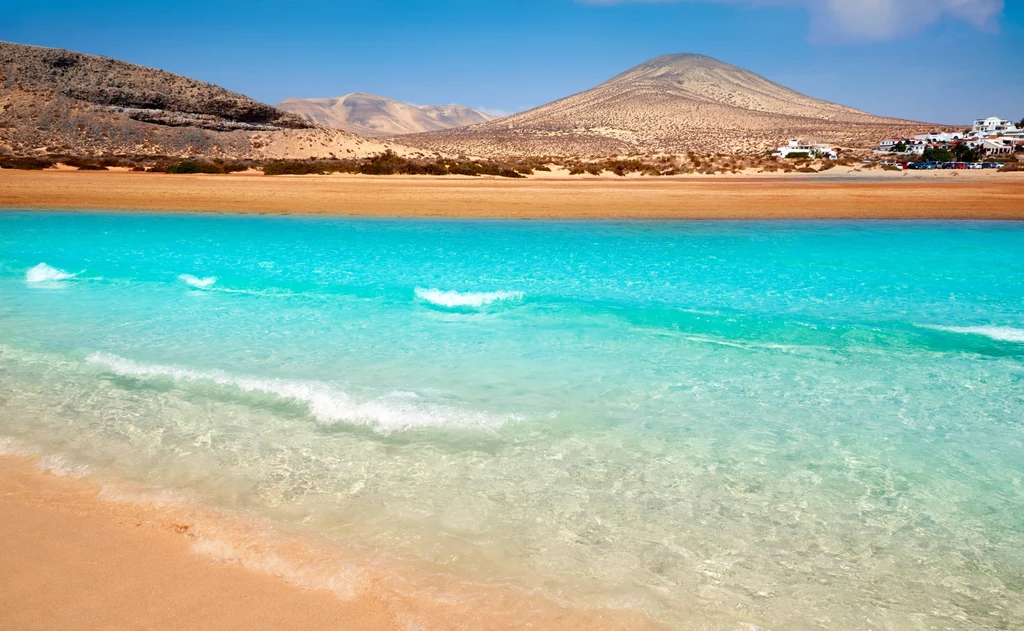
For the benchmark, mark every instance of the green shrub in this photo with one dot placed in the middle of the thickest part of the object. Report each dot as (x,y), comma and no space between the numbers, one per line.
(186,166)
(797,154)
(199,166)
(932,154)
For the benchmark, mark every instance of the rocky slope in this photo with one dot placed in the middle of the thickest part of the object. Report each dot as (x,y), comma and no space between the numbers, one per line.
(62,102)
(672,103)
(371,115)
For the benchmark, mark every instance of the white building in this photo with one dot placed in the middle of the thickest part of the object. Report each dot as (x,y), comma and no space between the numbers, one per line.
(887,145)
(992,126)
(813,150)
(941,137)
(996,147)
(913,147)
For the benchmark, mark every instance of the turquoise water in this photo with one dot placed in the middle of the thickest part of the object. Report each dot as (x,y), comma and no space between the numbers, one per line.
(730,425)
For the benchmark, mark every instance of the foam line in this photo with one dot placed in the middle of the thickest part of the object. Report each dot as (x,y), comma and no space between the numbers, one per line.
(327,403)
(474,299)
(999,333)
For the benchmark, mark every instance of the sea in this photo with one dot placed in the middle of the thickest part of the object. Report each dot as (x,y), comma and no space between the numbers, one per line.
(684,425)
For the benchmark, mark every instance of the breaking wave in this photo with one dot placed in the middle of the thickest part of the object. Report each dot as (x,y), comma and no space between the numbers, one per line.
(999,333)
(326,403)
(198,283)
(43,273)
(465,299)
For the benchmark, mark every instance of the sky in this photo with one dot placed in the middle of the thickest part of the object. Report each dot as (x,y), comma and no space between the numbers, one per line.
(943,61)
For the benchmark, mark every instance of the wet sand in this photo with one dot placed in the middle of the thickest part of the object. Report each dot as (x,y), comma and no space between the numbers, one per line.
(72,561)
(972,195)
(91,554)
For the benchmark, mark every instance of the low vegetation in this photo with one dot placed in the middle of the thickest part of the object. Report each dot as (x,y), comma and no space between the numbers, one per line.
(25,164)
(391,163)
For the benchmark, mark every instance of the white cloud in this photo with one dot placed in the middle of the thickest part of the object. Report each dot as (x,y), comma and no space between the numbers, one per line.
(870,19)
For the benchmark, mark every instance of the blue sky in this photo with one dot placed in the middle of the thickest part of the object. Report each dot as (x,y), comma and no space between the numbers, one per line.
(934,60)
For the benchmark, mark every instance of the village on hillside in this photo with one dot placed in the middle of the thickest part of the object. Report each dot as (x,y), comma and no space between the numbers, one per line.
(984,145)
(980,147)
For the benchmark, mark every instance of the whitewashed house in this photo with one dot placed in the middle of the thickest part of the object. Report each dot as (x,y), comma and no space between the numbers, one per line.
(992,126)
(941,137)
(995,147)
(888,145)
(912,147)
(813,150)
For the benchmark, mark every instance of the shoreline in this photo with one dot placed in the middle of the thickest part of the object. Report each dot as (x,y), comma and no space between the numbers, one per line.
(87,551)
(72,560)
(997,196)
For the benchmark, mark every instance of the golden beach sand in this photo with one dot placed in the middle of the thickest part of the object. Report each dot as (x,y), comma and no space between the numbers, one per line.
(968,195)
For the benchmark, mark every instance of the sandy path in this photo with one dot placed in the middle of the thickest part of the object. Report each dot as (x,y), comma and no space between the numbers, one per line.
(996,196)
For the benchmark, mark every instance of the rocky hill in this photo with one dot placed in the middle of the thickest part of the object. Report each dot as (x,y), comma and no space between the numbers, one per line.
(62,102)
(371,115)
(672,103)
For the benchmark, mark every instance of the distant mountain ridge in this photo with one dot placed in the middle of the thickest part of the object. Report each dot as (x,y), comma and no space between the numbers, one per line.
(672,103)
(371,115)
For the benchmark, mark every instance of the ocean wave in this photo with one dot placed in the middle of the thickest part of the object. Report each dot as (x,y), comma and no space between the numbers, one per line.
(999,333)
(43,273)
(475,299)
(198,283)
(326,403)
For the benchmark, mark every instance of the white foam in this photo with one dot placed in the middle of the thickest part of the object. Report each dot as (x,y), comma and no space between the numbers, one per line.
(465,299)
(345,580)
(43,273)
(327,403)
(1000,333)
(60,466)
(11,447)
(150,497)
(198,283)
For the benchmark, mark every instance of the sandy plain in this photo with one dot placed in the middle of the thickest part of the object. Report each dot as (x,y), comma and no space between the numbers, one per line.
(844,194)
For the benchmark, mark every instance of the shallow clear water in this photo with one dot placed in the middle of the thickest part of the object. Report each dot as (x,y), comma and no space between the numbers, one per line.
(788,425)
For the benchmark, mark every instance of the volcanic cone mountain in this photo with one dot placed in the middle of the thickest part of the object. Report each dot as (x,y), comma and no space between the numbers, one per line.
(62,102)
(371,115)
(672,103)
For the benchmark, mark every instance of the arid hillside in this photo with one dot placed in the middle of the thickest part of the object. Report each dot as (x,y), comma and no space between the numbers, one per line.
(673,103)
(56,101)
(371,115)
